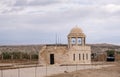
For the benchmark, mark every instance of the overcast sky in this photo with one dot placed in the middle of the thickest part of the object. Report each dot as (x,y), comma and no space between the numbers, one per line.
(39,21)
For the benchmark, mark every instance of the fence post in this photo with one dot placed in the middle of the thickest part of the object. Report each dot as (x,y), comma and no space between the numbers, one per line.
(36,70)
(66,67)
(46,69)
(1,73)
(18,72)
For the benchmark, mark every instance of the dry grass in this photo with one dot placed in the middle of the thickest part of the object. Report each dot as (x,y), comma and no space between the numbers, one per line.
(113,71)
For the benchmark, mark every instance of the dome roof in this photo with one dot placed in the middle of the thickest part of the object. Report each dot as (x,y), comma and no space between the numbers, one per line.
(76,32)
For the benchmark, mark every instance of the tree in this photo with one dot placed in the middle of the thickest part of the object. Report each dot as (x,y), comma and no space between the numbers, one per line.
(16,55)
(34,56)
(6,55)
(110,53)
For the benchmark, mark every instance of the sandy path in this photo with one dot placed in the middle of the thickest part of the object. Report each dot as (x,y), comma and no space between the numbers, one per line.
(42,72)
(113,71)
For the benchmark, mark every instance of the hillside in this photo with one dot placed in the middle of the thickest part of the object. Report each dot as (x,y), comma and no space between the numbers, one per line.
(100,48)
(96,48)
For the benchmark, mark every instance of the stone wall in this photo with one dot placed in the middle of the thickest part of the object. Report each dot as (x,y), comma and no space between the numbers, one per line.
(117,57)
(60,54)
(82,55)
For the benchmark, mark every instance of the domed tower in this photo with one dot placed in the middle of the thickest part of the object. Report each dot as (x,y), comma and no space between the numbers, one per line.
(79,52)
(76,37)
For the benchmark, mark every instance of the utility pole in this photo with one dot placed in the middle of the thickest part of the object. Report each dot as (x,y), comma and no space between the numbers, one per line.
(18,71)
(46,69)
(56,39)
(1,73)
(36,70)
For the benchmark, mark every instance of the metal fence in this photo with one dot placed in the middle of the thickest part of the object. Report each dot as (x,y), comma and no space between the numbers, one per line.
(42,71)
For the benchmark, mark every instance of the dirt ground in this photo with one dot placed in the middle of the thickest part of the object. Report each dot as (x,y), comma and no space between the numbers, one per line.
(112,71)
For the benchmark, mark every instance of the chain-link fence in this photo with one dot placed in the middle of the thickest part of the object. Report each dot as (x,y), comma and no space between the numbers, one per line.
(42,71)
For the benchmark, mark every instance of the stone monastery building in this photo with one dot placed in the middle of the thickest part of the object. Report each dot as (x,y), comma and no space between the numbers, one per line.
(76,52)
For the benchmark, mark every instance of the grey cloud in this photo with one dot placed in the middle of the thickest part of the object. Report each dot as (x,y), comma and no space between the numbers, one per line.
(97,2)
(13,10)
(43,2)
(17,6)
(20,3)
(35,2)
(99,24)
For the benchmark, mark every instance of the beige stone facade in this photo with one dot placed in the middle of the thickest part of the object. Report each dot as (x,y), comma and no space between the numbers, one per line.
(76,52)
(80,55)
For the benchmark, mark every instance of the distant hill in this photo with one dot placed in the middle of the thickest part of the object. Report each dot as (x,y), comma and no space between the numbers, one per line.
(21,48)
(101,48)
(96,48)
(104,44)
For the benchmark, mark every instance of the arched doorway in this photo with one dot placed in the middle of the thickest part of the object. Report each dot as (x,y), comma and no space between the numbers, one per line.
(52,59)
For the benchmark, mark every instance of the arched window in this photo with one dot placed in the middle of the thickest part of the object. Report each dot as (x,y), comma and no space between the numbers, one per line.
(79,57)
(73,41)
(73,57)
(83,56)
(86,56)
(79,41)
